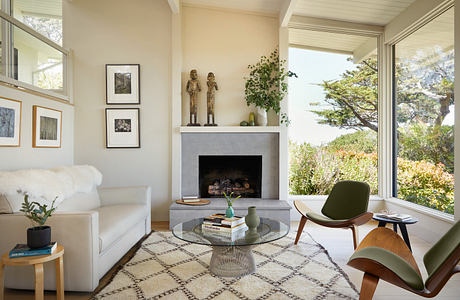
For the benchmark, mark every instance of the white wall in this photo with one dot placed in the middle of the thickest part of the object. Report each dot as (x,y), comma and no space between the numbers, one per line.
(26,157)
(224,42)
(116,31)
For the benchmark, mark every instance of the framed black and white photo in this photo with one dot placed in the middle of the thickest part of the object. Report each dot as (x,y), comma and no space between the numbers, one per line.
(47,127)
(122,128)
(10,122)
(122,84)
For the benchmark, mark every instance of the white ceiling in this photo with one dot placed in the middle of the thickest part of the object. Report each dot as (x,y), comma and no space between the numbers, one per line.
(376,12)
(437,33)
(318,40)
(44,7)
(369,12)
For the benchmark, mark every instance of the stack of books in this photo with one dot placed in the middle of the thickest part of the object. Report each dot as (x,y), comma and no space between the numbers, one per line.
(396,217)
(222,225)
(190,199)
(21,250)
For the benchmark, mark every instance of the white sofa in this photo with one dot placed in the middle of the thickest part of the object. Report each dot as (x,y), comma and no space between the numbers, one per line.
(96,227)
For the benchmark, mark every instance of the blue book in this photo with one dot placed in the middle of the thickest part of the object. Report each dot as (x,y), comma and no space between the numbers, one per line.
(21,250)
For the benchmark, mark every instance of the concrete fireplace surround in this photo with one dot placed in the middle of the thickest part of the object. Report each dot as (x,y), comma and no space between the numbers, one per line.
(265,144)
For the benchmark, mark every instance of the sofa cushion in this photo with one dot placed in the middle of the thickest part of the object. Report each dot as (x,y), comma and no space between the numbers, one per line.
(115,220)
(81,201)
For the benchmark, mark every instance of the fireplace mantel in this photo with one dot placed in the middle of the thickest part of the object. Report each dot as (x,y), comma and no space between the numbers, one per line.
(229,129)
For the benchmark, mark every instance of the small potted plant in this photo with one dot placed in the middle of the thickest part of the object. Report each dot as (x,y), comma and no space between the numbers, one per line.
(38,235)
(230,212)
(266,86)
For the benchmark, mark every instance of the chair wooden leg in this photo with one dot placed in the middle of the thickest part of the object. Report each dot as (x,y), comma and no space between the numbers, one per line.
(355,232)
(302,222)
(368,286)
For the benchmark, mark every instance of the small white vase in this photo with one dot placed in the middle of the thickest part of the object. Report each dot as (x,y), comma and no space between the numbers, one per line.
(261,117)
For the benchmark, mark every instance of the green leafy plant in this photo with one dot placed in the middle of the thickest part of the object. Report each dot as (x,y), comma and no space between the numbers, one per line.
(36,212)
(229,198)
(266,85)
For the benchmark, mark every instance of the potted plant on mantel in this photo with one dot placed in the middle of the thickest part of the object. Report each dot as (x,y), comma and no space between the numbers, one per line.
(38,236)
(266,86)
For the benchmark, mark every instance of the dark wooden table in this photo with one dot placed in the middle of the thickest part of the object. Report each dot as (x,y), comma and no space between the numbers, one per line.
(402,226)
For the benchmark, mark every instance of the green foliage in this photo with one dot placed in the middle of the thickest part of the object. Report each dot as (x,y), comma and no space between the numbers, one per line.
(427,184)
(431,143)
(229,198)
(266,85)
(315,170)
(359,141)
(36,212)
(352,100)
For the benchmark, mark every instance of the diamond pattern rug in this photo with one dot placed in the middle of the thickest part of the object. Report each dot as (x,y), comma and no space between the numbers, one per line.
(165,267)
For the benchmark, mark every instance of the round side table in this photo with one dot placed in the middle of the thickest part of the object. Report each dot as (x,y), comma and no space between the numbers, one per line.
(402,225)
(37,262)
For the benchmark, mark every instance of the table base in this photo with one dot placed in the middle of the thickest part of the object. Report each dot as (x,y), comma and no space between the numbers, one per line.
(232,261)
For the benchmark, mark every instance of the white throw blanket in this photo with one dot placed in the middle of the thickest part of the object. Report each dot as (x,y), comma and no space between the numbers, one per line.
(44,186)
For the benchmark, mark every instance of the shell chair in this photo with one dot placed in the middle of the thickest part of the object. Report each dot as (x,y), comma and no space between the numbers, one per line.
(384,255)
(345,207)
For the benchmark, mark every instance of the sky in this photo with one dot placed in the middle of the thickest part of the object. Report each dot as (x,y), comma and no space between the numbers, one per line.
(312,67)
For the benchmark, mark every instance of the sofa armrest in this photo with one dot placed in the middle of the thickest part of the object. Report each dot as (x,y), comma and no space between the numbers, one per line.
(125,195)
(78,232)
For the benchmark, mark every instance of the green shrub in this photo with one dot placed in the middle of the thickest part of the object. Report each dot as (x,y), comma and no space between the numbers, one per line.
(315,170)
(434,144)
(359,141)
(427,184)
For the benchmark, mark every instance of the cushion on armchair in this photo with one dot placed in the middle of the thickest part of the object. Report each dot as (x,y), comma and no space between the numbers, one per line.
(392,262)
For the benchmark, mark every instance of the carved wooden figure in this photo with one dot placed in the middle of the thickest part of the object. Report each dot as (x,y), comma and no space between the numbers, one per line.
(193,87)
(212,88)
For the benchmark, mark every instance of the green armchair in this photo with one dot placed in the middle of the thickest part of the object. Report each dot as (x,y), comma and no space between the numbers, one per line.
(384,255)
(345,207)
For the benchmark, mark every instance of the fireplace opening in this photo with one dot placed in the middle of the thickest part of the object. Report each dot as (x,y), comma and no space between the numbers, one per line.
(240,174)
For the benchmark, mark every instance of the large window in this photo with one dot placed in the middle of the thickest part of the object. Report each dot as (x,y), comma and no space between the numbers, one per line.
(31,51)
(424,115)
(333,113)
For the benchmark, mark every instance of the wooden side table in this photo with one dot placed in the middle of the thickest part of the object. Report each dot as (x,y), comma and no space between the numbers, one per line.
(37,262)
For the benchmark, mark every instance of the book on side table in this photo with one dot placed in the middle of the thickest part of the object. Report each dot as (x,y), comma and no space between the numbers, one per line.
(21,250)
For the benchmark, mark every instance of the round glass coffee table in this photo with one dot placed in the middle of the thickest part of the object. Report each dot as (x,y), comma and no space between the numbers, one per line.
(231,257)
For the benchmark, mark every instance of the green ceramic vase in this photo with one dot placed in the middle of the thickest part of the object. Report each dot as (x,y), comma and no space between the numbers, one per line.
(252,219)
(229,213)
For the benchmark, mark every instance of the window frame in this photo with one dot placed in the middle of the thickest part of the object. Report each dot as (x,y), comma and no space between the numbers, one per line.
(392,164)
(7,22)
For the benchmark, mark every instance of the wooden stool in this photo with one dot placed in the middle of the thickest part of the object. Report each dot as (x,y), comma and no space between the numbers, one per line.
(37,262)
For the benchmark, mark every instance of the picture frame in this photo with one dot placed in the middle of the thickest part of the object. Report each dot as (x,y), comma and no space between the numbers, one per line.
(122,83)
(10,122)
(47,127)
(122,127)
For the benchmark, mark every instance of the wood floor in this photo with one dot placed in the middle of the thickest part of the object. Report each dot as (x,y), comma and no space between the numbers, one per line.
(340,246)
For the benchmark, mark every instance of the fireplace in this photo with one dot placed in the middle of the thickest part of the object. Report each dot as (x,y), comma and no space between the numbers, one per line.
(240,174)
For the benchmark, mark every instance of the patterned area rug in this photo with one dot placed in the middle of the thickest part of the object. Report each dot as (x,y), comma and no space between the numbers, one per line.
(167,268)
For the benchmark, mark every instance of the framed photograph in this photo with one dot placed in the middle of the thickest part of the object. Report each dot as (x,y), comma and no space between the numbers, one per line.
(10,122)
(122,128)
(122,84)
(47,127)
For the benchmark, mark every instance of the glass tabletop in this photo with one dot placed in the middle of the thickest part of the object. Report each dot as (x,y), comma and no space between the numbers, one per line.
(268,230)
